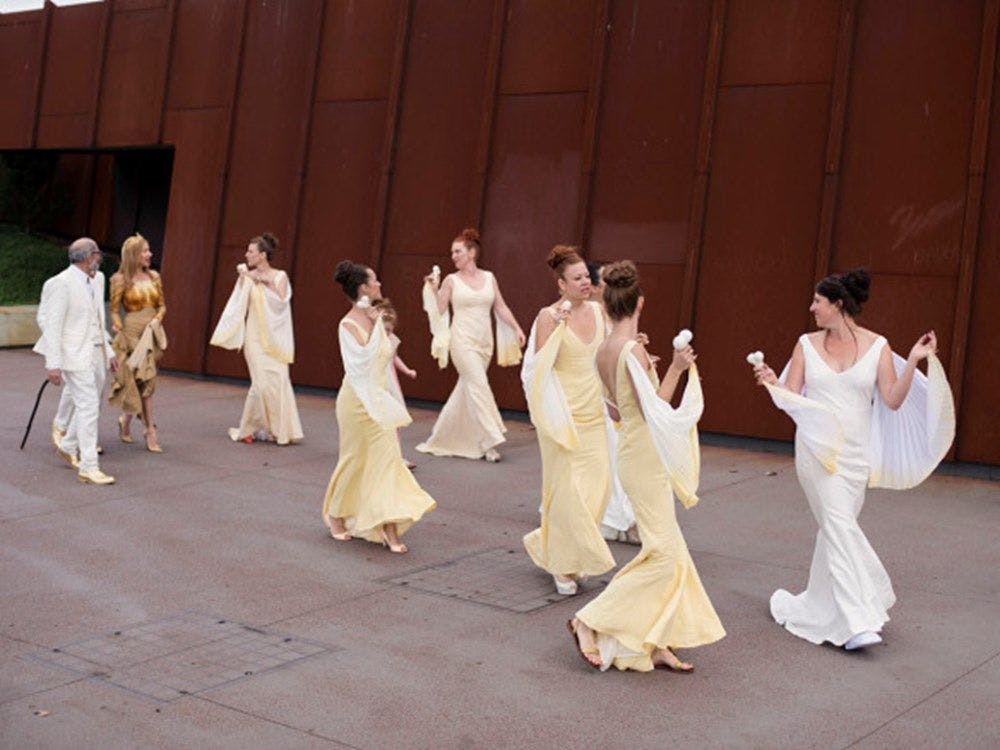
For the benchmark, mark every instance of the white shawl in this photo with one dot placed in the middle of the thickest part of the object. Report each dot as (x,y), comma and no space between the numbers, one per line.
(277,337)
(674,431)
(904,446)
(547,405)
(360,362)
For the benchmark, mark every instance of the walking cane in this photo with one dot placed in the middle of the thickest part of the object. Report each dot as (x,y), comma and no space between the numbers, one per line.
(31,419)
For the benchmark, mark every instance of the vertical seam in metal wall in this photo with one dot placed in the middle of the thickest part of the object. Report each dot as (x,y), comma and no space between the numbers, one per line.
(303,163)
(40,79)
(487,117)
(591,128)
(833,161)
(109,10)
(699,191)
(220,213)
(391,134)
(165,88)
(978,144)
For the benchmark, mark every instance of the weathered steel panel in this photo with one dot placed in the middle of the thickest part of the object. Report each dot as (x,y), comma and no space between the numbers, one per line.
(271,116)
(546,46)
(21,39)
(755,280)
(429,199)
(131,99)
(906,144)
(647,142)
(357,49)
(205,53)
(200,138)
(779,41)
(337,221)
(979,412)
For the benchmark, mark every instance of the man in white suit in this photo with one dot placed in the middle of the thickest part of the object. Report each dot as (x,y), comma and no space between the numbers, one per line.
(77,354)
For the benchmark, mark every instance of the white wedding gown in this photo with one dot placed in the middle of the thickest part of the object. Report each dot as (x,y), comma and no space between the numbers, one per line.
(847,439)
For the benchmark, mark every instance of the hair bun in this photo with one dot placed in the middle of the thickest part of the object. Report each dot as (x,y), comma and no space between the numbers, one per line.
(469,235)
(343,271)
(271,240)
(621,274)
(857,283)
(561,254)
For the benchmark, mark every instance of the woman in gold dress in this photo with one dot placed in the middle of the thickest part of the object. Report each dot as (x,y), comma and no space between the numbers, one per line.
(139,338)
(565,401)
(656,602)
(371,493)
(469,424)
(258,319)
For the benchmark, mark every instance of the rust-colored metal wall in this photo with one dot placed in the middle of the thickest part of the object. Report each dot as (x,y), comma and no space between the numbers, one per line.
(738,150)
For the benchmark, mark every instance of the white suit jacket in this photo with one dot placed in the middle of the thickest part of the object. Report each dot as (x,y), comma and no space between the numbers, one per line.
(64,318)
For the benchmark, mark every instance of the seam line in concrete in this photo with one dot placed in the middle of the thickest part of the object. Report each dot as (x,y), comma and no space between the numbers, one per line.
(919,703)
(251,714)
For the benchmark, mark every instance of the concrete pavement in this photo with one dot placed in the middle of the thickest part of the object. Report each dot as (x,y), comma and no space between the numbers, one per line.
(199,603)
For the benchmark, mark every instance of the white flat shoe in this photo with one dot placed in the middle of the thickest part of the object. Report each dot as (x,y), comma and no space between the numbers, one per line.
(862,640)
(565,588)
(492,456)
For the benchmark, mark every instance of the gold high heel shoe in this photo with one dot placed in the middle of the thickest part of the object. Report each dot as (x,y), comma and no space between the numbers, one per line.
(152,448)
(124,436)
(398,548)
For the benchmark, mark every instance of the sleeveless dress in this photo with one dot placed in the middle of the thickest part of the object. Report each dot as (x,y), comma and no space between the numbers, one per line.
(469,423)
(656,600)
(371,485)
(576,482)
(849,591)
(143,301)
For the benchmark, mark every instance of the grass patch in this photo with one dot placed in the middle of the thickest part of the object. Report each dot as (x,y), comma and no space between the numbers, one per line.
(26,261)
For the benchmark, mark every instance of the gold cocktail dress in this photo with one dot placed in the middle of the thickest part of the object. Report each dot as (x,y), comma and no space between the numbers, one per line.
(143,301)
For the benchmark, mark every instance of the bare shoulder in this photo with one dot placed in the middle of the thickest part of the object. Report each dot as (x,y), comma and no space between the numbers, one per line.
(154,275)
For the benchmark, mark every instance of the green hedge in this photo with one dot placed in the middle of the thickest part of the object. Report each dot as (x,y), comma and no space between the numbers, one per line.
(26,261)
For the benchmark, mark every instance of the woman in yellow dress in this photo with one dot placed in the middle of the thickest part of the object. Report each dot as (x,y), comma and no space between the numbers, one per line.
(139,338)
(258,318)
(656,602)
(469,424)
(371,493)
(564,398)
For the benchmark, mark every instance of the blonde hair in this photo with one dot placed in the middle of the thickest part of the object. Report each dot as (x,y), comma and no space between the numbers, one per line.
(131,262)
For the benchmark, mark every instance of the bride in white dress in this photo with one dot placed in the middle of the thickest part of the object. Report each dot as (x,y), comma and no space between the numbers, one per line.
(864,418)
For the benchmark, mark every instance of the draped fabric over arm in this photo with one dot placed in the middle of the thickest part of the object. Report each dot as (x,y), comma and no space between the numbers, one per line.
(508,352)
(674,431)
(816,425)
(547,405)
(906,445)
(231,329)
(440,323)
(371,387)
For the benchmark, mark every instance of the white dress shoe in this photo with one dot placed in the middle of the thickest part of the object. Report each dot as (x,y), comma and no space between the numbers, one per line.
(861,640)
(95,476)
(566,588)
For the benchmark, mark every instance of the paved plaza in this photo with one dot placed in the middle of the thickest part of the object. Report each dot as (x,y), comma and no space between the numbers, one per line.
(199,603)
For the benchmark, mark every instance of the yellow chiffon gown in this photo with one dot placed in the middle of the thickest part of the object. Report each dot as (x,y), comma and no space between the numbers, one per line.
(371,485)
(576,484)
(656,600)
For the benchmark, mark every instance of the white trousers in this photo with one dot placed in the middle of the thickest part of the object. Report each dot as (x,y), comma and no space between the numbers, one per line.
(65,411)
(82,388)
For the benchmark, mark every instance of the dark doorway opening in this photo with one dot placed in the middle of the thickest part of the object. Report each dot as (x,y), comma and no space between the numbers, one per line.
(106,194)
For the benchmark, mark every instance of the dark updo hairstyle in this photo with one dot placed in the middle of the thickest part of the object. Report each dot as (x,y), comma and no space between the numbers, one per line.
(562,256)
(850,289)
(470,238)
(267,243)
(594,269)
(621,289)
(350,276)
